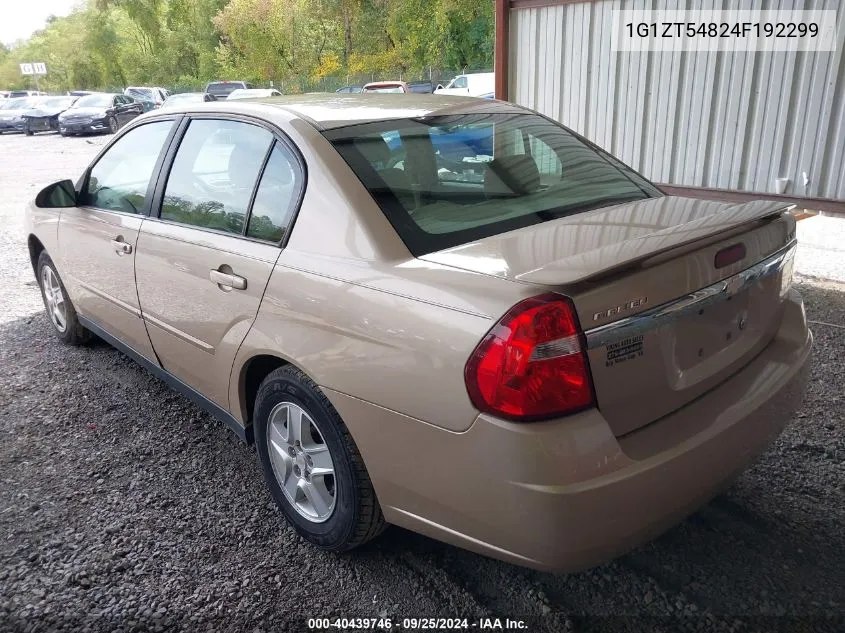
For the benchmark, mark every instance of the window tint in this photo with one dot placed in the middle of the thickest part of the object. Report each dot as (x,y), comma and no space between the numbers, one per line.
(448,180)
(460,82)
(119,180)
(276,196)
(214,174)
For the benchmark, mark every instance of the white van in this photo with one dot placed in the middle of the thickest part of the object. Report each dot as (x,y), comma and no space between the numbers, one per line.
(471,85)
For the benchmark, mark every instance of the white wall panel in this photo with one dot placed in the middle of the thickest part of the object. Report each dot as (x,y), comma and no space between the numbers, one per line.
(728,119)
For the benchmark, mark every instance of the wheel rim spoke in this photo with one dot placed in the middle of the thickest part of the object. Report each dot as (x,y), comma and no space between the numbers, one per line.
(291,486)
(59,317)
(317,495)
(295,421)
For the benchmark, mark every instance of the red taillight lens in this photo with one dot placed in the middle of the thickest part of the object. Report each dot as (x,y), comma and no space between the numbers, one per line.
(532,364)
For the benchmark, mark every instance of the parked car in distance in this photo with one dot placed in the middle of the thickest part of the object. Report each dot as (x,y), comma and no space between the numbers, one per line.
(545,360)
(79,93)
(350,89)
(150,97)
(252,93)
(44,114)
(387,87)
(11,113)
(222,89)
(470,85)
(99,112)
(187,97)
(422,87)
(13,94)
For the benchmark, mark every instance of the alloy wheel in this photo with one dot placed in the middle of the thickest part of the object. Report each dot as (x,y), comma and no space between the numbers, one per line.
(54,298)
(301,461)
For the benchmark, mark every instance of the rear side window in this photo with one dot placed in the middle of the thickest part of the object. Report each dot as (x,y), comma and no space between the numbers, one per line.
(446,181)
(214,174)
(119,180)
(276,196)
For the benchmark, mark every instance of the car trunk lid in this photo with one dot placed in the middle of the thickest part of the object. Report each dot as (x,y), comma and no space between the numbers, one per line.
(664,323)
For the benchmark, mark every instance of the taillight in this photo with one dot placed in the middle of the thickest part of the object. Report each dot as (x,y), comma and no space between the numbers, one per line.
(532,365)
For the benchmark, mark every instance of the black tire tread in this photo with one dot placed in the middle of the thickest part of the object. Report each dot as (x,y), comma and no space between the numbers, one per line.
(370,521)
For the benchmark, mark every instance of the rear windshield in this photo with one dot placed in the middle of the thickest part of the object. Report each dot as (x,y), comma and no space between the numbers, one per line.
(386,88)
(223,88)
(446,181)
(140,93)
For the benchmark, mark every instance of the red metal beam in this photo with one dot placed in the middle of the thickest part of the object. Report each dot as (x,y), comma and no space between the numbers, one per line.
(502,48)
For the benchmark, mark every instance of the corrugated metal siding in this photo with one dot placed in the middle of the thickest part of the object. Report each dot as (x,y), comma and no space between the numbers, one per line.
(728,120)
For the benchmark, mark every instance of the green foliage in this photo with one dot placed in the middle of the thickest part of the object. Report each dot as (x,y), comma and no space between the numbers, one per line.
(299,45)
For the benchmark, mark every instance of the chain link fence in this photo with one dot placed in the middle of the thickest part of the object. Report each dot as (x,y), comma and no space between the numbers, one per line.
(435,76)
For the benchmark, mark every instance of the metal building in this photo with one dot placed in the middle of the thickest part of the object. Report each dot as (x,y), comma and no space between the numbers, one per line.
(705,124)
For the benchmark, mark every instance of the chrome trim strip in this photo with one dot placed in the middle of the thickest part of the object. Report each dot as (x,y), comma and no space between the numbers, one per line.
(111,299)
(673,310)
(202,345)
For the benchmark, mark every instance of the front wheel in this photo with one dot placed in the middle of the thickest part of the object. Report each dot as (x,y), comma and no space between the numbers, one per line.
(311,464)
(26,130)
(113,126)
(60,310)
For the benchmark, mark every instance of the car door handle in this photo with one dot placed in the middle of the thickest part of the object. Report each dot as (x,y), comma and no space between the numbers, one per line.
(227,280)
(121,247)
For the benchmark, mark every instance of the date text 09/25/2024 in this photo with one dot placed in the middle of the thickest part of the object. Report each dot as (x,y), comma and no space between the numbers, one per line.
(415,624)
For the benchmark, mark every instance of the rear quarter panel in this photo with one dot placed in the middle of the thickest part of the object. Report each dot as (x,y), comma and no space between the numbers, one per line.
(391,350)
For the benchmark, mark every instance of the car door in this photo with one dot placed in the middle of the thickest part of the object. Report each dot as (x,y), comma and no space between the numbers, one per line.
(120,112)
(123,108)
(204,262)
(97,240)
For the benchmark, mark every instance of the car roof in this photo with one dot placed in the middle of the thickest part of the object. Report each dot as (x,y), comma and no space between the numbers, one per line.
(327,111)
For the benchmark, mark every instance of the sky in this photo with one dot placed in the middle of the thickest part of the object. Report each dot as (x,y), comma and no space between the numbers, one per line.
(20,19)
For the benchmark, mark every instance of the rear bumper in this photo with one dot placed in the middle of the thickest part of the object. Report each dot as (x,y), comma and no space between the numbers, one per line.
(566,494)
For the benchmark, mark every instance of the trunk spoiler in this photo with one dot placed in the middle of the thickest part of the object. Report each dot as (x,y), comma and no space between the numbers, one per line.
(590,265)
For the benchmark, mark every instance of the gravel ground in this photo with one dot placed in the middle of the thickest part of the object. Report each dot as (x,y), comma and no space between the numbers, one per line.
(123,507)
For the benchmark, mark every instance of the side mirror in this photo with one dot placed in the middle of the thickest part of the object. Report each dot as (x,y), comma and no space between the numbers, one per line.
(59,195)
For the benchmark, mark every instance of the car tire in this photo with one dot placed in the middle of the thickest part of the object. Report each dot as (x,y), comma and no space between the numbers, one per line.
(66,326)
(354,515)
(26,130)
(113,125)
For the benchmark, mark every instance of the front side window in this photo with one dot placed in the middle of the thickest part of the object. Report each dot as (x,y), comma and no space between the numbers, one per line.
(448,180)
(460,82)
(120,179)
(214,174)
(276,197)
